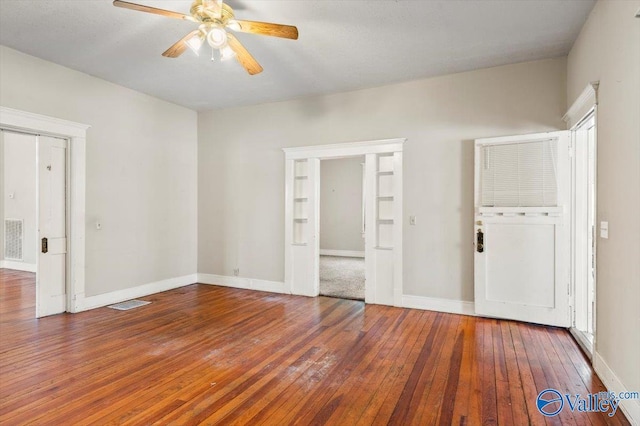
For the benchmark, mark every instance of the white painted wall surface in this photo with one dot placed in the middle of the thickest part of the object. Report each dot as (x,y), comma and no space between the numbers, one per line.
(19,179)
(341,204)
(608,50)
(241,165)
(141,170)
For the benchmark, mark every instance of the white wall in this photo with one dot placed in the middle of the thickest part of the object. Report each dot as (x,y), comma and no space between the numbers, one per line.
(241,165)
(141,170)
(19,179)
(341,204)
(608,50)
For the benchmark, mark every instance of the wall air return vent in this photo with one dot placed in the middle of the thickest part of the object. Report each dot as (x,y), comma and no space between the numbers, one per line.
(13,239)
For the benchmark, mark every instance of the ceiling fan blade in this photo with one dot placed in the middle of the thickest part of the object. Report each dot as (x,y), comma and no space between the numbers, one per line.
(180,46)
(244,57)
(149,9)
(265,28)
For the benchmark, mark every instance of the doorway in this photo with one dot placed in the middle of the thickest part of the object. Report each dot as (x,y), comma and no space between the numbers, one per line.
(342,230)
(34,213)
(584,241)
(61,169)
(383,217)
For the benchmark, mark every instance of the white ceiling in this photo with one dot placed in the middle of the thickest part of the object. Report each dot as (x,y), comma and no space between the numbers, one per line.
(343,45)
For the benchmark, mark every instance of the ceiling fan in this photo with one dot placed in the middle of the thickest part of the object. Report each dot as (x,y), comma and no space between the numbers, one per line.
(215,18)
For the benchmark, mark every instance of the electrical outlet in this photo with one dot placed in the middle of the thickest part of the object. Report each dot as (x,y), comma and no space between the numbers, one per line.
(236,272)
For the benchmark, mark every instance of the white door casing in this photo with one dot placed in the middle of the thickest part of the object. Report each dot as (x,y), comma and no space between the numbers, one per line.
(52,226)
(522,210)
(383,217)
(76,134)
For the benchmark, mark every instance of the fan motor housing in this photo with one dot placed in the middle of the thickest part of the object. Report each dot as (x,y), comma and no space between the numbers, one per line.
(202,11)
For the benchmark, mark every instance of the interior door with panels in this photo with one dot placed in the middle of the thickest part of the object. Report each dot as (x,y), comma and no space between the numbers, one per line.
(52,226)
(522,228)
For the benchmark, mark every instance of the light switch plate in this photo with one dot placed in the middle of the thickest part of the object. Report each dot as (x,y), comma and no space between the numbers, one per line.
(604,229)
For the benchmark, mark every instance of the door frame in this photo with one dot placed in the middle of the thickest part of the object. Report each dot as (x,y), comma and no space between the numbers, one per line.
(76,134)
(341,150)
(585,106)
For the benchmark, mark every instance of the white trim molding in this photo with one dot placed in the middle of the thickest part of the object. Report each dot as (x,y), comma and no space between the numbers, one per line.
(76,133)
(630,407)
(342,253)
(118,296)
(450,306)
(243,283)
(18,266)
(383,267)
(585,102)
(348,149)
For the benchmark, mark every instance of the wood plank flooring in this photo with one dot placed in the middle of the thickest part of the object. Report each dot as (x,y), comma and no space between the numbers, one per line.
(213,355)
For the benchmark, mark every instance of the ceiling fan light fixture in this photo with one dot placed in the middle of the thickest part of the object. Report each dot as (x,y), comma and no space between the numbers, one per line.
(217,37)
(195,43)
(227,53)
(234,25)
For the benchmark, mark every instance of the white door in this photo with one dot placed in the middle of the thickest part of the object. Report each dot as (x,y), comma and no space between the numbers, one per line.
(522,228)
(52,229)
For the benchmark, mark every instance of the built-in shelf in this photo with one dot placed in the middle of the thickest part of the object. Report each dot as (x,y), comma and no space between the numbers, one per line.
(301,199)
(300,220)
(383,248)
(385,221)
(385,173)
(385,198)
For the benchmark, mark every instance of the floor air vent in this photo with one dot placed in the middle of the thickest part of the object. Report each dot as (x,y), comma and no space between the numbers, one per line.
(129,304)
(13,239)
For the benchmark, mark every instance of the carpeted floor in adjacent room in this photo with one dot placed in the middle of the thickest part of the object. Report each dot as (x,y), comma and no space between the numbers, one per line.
(342,277)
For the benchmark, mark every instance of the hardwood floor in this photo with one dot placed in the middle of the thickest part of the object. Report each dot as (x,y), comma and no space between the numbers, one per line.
(214,355)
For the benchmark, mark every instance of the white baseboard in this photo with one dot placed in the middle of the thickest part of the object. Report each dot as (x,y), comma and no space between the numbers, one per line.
(18,266)
(118,296)
(630,407)
(439,305)
(342,253)
(244,283)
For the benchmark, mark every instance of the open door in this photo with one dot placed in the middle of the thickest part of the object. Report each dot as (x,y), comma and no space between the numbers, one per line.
(52,226)
(522,228)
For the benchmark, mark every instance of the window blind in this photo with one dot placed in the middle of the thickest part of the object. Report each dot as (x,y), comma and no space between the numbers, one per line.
(520,174)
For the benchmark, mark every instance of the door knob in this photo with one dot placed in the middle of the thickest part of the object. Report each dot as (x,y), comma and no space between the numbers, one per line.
(45,245)
(480,241)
